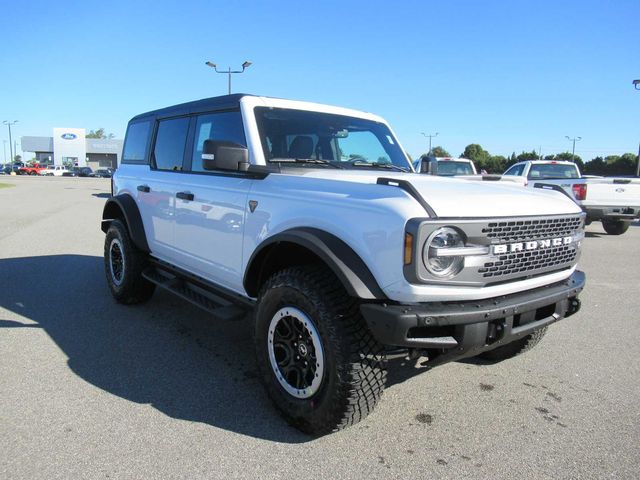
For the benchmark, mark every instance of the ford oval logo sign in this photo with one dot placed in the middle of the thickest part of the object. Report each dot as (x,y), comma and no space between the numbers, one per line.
(69,136)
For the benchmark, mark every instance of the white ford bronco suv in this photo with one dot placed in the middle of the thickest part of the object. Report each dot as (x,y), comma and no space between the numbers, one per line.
(312,218)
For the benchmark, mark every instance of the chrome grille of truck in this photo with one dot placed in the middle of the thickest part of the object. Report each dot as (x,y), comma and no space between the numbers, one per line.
(534,229)
(516,264)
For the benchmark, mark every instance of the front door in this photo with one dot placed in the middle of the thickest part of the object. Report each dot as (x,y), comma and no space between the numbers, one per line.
(210,216)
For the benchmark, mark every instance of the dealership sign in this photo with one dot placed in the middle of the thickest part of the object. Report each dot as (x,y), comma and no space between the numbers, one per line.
(69,136)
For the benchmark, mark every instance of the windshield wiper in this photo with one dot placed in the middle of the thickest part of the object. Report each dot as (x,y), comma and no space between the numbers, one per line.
(388,166)
(312,161)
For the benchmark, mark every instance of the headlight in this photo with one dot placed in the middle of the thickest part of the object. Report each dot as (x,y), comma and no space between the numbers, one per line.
(440,262)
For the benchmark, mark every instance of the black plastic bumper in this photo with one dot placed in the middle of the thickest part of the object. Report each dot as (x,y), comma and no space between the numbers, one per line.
(612,213)
(463,329)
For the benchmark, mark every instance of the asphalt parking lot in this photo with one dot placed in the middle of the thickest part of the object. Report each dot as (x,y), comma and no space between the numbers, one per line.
(93,389)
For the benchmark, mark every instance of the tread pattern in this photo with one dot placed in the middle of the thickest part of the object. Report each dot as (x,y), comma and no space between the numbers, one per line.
(359,363)
(515,348)
(135,288)
(615,227)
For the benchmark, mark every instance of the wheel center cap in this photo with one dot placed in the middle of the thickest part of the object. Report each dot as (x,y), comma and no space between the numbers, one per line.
(303,350)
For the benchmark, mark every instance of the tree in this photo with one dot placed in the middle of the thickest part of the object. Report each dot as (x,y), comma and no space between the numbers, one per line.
(532,155)
(479,155)
(438,151)
(99,133)
(496,164)
(17,158)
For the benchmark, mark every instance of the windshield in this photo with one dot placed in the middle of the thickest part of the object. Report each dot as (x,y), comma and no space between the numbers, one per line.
(449,168)
(552,170)
(326,139)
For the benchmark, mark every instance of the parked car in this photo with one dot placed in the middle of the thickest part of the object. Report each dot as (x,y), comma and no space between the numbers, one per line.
(613,201)
(103,173)
(461,168)
(78,172)
(54,171)
(311,217)
(12,167)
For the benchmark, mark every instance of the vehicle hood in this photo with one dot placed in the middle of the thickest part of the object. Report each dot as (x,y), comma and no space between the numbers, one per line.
(452,197)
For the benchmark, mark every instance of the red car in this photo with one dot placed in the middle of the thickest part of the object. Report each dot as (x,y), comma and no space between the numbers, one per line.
(35,169)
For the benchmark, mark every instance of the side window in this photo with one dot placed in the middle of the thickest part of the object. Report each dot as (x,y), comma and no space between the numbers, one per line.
(515,170)
(171,139)
(216,126)
(135,147)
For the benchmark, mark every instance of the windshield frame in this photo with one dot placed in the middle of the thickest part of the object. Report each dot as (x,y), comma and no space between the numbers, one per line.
(393,150)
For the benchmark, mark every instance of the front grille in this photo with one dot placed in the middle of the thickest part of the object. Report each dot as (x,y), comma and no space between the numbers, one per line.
(524,263)
(511,263)
(535,229)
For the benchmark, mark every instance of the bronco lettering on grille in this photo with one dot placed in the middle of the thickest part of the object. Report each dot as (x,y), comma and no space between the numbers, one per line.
(531,245)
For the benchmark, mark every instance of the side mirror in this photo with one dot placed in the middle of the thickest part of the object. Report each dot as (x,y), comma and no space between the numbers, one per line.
(429,165)
(223,155)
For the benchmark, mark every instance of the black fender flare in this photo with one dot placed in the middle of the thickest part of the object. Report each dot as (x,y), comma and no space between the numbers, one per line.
(350,269)
(124,206)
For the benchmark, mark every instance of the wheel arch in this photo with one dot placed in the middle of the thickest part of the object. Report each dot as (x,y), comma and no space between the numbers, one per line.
(309,245)
(124,207)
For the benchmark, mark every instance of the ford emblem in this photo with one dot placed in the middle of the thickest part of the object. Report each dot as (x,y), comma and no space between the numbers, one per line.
(69,136)
(619,190)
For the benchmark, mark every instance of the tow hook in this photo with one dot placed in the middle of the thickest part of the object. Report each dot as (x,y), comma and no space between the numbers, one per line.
(574,306)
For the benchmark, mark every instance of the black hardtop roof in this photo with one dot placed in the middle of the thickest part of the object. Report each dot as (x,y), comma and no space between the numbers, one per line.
(223,102)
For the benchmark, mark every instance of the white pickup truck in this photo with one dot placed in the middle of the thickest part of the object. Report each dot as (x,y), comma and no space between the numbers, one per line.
(613,201)
(460,168)
(311,218)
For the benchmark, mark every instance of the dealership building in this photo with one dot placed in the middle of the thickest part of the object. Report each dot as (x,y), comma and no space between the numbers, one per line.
(70,146)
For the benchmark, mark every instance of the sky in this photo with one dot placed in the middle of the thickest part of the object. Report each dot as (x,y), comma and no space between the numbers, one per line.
(512,76)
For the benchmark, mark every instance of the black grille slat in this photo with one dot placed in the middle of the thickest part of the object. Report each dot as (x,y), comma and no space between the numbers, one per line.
(525,230)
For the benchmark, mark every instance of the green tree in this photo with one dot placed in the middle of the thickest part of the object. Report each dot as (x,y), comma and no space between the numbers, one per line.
(99,133)
(532,155)
(17,158)
(438,151)
(496,164)
(595,166)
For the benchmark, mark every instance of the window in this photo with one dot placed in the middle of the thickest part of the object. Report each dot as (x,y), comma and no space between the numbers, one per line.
(515,170)
(553,170)
(170,141)
(135,147)
(362,146)
(225,126)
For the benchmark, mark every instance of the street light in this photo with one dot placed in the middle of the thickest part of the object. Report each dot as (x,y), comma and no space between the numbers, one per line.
(573,152)
(245,65)
(636,84)
(430,136)
(8,124)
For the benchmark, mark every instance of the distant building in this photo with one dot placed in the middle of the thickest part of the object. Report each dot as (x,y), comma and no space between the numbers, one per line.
(69,146)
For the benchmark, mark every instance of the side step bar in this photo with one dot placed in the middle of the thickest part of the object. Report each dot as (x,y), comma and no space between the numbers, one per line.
(197,291)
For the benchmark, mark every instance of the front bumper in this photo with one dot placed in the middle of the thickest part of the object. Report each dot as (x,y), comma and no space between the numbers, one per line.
(612,213)
(462,329)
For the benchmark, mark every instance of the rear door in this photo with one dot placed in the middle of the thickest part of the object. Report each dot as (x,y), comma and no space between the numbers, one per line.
(157,187)
(210,216)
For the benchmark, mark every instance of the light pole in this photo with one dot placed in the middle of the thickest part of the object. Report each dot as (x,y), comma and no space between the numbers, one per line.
(573,151)
(4,144)
(636,85)
(8,124)
(245,65)
(430,136)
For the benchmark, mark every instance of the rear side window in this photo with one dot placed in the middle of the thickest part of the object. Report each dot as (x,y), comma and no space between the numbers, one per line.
(515,170)
(216,126)
(171,139)
(135,146)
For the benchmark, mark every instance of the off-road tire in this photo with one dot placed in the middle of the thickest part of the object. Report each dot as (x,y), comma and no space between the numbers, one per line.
(130,287)
(354,372)
(515,348)
(615,227)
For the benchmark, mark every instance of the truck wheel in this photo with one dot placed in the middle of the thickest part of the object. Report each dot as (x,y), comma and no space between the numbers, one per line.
(615,227)
(123,264)
(515,348)
(319,363)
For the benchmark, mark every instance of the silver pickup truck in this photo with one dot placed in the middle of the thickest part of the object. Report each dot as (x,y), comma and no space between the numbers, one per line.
(613,201)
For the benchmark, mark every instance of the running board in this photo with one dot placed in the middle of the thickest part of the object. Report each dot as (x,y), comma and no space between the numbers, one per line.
(204,298)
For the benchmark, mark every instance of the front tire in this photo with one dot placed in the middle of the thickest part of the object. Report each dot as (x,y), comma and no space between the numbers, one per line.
(318,361)
(124,263)
(615,227)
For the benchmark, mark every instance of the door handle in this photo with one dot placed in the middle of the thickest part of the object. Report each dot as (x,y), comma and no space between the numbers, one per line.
(144,188)
(184,196)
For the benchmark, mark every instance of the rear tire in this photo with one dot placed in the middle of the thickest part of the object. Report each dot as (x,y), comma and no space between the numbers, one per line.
(517,347)
(615,227)
(124,263)
(304,318)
